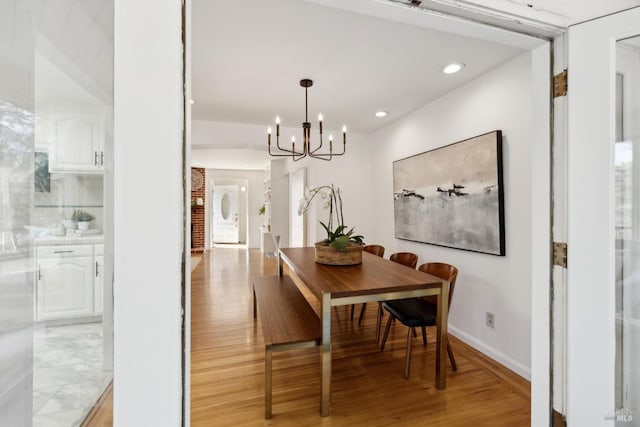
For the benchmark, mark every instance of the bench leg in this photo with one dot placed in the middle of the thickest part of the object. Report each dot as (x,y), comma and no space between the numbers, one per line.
(267,383)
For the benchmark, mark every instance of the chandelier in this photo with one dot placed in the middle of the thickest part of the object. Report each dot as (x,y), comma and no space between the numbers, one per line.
(306,136)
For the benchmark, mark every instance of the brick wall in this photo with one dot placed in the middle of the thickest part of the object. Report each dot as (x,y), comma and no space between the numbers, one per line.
(197,214)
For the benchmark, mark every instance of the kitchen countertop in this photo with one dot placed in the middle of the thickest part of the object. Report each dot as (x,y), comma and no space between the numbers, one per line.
(69,240)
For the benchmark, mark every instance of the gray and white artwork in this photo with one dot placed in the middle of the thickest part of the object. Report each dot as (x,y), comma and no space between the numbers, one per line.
(452,196)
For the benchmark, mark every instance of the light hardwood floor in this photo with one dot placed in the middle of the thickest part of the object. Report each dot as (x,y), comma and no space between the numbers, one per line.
(227,367)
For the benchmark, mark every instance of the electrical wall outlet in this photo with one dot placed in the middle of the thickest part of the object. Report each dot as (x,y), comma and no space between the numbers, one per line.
(490,319)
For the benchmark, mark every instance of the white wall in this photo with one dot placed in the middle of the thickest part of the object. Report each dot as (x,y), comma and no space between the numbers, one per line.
(222,135)
(255,193)
(352,173)
(501,99)
(279,206)
(149,213)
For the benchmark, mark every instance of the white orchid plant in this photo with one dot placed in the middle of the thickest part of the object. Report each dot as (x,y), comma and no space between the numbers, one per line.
(339,237)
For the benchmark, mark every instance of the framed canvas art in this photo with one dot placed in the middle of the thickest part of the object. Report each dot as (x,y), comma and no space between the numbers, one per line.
(453,196)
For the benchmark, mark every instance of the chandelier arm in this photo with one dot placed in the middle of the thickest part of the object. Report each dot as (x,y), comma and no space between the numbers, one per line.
(300,156)
(317,148)
(280,155)
(281,148)
(331,153)
(284,149)
(292,153)
(321,156)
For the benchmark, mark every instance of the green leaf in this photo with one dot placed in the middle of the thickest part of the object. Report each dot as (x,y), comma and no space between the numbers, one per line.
(340,243)
(329,236)
(339,230)
(358,239)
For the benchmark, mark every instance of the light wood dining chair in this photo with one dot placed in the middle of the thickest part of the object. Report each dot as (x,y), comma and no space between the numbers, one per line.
(414,312)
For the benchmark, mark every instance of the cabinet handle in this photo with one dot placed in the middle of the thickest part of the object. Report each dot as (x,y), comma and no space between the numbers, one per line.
(95,158)
(62,252)
(96,268)
(101,158)
(39,274)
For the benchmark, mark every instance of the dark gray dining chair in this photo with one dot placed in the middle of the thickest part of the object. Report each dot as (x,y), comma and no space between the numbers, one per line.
(421,312)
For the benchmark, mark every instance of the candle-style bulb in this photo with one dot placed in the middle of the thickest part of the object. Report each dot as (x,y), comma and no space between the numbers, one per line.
(269,130)
(330,138)
(277,120)
(344,129)
(320,117)
(293,139)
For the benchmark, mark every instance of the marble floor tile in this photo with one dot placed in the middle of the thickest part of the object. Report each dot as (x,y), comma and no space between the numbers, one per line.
(71,418)
(68,373)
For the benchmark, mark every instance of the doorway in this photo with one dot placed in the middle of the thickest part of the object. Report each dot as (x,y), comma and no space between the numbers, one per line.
(349,171)
(228,211)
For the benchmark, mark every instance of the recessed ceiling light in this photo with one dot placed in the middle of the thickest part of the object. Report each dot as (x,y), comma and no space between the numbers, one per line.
(452,68)
(381,113)
(192,102)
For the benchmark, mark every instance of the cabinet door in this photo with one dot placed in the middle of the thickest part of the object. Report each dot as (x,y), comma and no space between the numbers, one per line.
(64,287)
(78,144)
(98,287)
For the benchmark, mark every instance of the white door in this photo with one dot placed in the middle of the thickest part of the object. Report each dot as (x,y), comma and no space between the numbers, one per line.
(603,304)
(225,214)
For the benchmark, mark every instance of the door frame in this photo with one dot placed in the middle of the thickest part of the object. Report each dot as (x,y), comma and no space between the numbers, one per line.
(591,120)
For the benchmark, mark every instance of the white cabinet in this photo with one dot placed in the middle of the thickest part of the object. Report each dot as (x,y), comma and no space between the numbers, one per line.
(64,282)
(268,242)
(98,280)
(69,281)
(77,144)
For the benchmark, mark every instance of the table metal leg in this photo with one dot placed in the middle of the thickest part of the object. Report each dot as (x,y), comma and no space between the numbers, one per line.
(325,387)
(267,382)
(441,323)
(255,303)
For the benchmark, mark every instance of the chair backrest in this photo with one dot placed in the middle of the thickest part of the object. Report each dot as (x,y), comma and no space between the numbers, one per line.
(374,249)
(444,271)
(405,258)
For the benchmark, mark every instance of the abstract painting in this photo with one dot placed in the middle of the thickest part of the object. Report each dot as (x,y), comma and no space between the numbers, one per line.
(453,196)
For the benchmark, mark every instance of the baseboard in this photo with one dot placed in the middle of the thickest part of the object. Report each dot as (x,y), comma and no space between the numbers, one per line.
(499,357)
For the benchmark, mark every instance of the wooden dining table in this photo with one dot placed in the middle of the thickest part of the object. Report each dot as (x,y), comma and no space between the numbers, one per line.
(376,279)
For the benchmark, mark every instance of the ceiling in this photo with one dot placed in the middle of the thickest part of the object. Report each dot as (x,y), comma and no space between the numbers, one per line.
(363,56)
(249,56)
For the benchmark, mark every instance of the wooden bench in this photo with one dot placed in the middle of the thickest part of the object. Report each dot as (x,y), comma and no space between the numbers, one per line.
(287,319)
